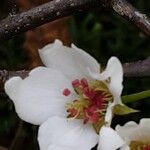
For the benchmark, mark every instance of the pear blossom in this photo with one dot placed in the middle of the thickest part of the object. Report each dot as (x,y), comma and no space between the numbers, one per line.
(131,136)
(71,98)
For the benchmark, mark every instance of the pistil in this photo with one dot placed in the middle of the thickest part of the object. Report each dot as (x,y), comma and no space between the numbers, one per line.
(91,103)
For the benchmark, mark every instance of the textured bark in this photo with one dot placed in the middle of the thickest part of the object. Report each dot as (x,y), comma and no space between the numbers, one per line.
(137,69)
(127,11)
(56,9)
(42,14)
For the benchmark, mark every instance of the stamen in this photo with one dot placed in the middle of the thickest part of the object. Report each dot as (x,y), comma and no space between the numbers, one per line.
(66,92)
(75,83)
(91,101)
(91,115)
(146,147)
(89,93)
(84,82)
(72,112)
(138,145)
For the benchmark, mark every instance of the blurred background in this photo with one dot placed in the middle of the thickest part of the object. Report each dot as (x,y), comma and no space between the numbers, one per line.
(102,33)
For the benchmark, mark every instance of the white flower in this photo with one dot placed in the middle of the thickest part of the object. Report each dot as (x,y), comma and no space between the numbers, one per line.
(131,136)
(68,97)
(109,139)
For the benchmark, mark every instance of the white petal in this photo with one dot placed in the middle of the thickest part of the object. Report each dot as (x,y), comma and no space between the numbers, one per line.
(114,71)
(109,139)
(109,114)
(145,123)
(39,96)
(125,147)
(12,87)
(55,147)
(71,61)
(60,147)
(131,131)
(69,133)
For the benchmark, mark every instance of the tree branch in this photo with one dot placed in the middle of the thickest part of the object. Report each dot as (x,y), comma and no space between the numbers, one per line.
(5,74)
(19,23)
(127,11)
(133,69)
(42,14)
(137,69)
(13,9)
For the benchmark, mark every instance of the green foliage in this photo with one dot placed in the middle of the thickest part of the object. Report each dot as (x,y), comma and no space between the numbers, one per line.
(123,110)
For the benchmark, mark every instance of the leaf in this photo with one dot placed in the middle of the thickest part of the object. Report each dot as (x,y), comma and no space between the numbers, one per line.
(123,110)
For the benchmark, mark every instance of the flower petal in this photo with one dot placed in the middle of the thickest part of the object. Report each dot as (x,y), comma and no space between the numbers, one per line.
(12,87)
(60,147)
(125,147)
(109,139)
(109,114)
(114,71)
(131,131)
(71,61)
(39,96)
(69,133)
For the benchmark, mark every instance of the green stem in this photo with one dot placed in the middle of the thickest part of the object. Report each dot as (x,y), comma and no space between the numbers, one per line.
(135,97)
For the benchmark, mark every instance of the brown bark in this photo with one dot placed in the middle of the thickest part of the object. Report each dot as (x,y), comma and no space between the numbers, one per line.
(40,36)
(56,9)
(130,13)
(137,69)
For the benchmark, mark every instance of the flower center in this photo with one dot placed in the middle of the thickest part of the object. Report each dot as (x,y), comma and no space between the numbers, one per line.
(91,103)
(137,145)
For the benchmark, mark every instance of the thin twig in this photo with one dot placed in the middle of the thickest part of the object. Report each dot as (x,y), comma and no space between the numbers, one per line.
(5,75)
(127,11)
(137,69)
(42,14)
(19,23)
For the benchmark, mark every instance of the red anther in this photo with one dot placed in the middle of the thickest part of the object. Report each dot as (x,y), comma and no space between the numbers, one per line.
(66,92)
(146,147)
(72,112)
(86,120)
(76,83)
(90,103)
(95,118)
(86,92)
(84,82)
(91,115)
(99,100)
(89,93)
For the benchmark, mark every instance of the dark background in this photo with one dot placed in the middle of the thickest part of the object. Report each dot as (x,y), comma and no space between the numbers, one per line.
(102,33)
